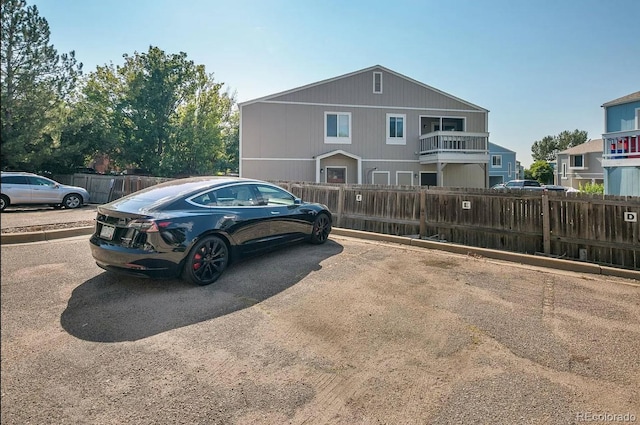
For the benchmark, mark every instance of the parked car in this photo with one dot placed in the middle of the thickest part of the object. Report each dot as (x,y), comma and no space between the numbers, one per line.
(19,188)
(559,188)
(194,227)
(520,185)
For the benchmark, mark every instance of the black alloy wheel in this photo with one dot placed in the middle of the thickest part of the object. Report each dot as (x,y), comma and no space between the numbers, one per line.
(207,261)
(72,201)
(321,229)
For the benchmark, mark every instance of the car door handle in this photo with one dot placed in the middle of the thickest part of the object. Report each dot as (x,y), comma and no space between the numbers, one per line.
(275,212)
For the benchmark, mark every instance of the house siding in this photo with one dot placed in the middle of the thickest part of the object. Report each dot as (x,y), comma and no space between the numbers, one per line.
(295,131)
(357,89)
(501,174)
(622,181)
(282,137)
(621,117)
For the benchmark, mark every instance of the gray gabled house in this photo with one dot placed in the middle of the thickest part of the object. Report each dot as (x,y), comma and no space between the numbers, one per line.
(580,165)
(373,126)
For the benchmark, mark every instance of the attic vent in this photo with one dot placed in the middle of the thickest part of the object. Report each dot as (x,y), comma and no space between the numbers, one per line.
(377,82)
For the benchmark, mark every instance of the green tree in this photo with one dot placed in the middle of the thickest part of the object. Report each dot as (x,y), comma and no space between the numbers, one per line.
(35,81)
(94,123)
(547,148)
(197,145)
(155,85)
(231,142)
(542,171)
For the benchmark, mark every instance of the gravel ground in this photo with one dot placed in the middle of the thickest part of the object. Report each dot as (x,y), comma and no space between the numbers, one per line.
(350,332)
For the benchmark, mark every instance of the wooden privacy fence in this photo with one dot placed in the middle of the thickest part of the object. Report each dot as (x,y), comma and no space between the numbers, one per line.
(105,188)
(593,228)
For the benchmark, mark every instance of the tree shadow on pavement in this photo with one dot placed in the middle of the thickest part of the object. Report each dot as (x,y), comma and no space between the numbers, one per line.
(115,308)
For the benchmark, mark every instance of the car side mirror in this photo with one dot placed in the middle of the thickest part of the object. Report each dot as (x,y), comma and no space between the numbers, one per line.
(297,201)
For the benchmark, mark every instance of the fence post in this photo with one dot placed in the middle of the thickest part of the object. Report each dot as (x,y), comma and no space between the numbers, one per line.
(423,214)
(340,204)
(546,225)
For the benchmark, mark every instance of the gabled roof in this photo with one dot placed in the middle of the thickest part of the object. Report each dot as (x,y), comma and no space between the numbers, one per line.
(624,99)
(265,98)
(500,148)
(590,146)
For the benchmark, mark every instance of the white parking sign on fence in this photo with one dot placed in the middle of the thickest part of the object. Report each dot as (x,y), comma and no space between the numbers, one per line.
(631,217)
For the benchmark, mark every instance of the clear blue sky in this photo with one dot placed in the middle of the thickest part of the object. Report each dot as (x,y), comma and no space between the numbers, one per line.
(539,66)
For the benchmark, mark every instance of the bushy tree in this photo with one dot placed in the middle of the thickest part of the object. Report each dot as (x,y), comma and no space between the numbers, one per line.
(197,145)
(547,148)
(542,171)
(36,81)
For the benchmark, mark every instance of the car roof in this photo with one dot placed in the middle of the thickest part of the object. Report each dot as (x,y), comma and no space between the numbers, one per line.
(167,192)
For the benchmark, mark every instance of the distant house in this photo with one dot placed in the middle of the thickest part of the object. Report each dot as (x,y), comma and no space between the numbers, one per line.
(621,150)
(502,164)
(580,164)
(373,126)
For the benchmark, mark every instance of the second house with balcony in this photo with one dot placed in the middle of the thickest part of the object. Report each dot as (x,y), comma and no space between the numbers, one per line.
(373,126)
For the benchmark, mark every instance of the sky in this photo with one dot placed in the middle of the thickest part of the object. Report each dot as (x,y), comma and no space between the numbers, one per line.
(539,66)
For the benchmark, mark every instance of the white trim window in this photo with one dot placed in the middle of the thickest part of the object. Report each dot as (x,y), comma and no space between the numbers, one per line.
(509,170)
(396,129)
(377,82)
(496,161)
(381,177)
(577,161)
(407,177)
(336,174)
(337,127)
(637,118)
(564,170)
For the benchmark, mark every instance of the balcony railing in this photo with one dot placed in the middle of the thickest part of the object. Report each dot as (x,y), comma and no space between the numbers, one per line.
(454,142)
(621,145)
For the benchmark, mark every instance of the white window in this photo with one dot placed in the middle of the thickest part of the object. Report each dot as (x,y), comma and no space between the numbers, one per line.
(377,82)
(577,161)
(564,170)
(396,129)
(404,178)
(337,127)
(381,177)
(336,175)
(496,161)
(509,171)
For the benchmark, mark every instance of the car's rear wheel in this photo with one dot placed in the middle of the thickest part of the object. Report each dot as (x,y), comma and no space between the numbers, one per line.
(321,229)
(206,261)
(4,202)
(72,201)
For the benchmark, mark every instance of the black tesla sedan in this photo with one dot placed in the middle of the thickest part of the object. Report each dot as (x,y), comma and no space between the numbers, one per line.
(194,227)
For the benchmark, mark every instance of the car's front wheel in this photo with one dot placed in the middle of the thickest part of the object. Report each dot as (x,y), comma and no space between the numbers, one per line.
(72,201)
(321,229)
(206,261)
(4,202)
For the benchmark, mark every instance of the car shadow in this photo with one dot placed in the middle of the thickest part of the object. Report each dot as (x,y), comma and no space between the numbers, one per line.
(115,308)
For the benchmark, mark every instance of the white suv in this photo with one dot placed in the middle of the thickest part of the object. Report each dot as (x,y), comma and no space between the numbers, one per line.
(20,188)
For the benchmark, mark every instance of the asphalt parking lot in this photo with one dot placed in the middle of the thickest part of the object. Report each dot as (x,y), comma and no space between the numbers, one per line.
(350,332)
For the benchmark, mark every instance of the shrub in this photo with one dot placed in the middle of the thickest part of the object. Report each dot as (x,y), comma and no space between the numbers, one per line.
(592,188)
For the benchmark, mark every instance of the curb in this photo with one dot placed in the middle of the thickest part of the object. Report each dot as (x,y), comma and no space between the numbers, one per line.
(44,235)
(514,257)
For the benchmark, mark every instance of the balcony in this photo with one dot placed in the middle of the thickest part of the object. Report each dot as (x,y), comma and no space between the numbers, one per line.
(454,147)
(621,148)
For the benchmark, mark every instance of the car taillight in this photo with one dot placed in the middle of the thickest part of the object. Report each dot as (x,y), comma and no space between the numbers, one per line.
(148,226)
